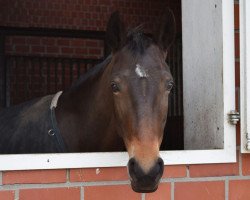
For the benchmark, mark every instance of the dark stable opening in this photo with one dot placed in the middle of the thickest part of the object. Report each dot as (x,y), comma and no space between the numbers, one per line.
(173,134)
(174,130)
(27,76)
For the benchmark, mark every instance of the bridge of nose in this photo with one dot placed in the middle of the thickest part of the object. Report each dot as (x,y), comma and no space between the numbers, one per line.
(145,152)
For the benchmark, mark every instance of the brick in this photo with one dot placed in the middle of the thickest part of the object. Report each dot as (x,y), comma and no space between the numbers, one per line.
(239,190)
(37,49)
(99,23)
(245,164)
(67,50)
(33,40)
(93,56)
(63,42)
(238,139)
(237,45)
(80,51)
(98,174)
(213,190)
(19,40)
(52,49)
(237,74)
(95,51)
(91,43)
(236,16)
(69,193)
(8,40)
(48,41)
(237,102)
(77,43)
(22,49)
(115,192)
(8,48)
(175,171)
(34,176)
(162,193)
(206,170)
(7,195)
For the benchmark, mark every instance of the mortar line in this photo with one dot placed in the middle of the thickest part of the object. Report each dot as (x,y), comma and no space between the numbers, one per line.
(16,197)
(60,185)
(67,176)
(187,171)
(82,193)
(240,164)
(102,183)
(226,189)
(172,190)
(202,179)
(143,196)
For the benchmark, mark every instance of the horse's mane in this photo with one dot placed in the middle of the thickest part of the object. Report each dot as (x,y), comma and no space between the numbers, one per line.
(93,71)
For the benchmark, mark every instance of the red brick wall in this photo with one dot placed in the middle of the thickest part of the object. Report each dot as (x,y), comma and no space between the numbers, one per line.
(54,47)
(191,182)
(74,14)
(85,14)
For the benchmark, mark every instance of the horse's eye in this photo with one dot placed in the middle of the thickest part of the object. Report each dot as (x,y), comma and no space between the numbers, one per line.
(115,87)
(169,85)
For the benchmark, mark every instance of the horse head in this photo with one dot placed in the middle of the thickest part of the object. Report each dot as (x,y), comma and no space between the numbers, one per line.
(140,84)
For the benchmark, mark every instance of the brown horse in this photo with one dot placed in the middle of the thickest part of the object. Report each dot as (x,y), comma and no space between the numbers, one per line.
(120,104)
(126,103)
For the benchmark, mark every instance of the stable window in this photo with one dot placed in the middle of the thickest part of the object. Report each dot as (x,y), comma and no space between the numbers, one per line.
(208,97)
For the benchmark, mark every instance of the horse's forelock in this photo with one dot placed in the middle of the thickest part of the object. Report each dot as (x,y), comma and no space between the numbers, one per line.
(137,41)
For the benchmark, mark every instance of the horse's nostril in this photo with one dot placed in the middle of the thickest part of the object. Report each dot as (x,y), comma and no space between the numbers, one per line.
(160,162)
(157,170)
(161,165)
(131,163)
(134,169)
(132,166)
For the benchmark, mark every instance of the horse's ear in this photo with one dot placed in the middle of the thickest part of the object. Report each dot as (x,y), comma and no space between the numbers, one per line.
(115,34)
(165,35)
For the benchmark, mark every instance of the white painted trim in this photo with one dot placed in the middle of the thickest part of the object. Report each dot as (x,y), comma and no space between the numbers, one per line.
(228,77)
(244,71)
(86,160)
(79,160)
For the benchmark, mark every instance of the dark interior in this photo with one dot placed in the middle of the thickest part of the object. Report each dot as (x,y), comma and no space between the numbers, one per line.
(25,76)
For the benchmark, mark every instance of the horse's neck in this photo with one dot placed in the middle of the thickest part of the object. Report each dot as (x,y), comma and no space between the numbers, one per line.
(85,115)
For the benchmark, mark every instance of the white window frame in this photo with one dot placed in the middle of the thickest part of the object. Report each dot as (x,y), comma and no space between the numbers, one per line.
(106,159)
(245,74)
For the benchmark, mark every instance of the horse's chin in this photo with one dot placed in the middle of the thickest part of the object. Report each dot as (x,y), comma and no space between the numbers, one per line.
(140,189)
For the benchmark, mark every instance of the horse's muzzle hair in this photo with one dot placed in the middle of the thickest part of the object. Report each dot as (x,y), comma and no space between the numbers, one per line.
(142,181)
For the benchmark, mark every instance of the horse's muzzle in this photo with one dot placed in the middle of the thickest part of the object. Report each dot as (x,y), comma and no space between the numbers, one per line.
(145,182)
